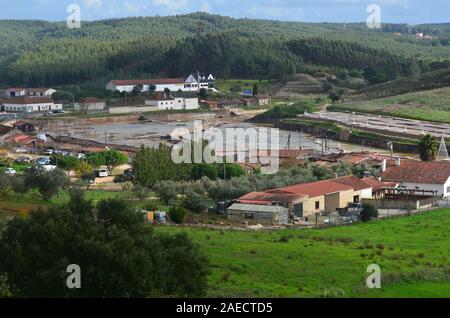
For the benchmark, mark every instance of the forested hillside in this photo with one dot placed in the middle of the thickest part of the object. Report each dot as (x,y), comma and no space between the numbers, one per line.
(38,53)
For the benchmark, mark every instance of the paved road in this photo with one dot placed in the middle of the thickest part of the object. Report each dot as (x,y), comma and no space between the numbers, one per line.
(400,125)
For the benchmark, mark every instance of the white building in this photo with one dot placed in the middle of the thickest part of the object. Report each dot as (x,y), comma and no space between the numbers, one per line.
(40,92)
(13,92)
(174,101)
(158,85)
(196,82)
(25,104)
(193,83)
(17,92)
(428,176)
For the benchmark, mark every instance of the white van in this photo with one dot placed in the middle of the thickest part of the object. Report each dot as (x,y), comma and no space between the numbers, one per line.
(103,172)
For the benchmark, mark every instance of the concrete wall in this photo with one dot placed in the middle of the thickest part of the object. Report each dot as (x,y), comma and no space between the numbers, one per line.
(132,109)
(309,205)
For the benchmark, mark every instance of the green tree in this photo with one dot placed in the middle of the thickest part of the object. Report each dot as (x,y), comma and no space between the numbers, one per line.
(204,170)
(428,148)
(46,183)
(118,254)
(255,90)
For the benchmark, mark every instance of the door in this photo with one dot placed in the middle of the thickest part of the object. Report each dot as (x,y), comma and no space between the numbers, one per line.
(298,210)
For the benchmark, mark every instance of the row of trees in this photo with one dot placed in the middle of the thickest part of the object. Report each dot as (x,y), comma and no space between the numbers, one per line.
(151,165)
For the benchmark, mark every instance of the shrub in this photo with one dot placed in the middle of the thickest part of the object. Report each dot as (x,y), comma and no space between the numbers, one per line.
(177,214)
(368,213)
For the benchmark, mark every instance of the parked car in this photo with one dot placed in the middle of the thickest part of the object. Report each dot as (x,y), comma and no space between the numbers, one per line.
(22,160)
(21,150)
(49,152)
(103,172)
(43,161)
(10,171)
(80,156)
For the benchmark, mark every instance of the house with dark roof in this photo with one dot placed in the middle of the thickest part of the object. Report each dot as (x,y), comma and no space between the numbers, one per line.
(428,176)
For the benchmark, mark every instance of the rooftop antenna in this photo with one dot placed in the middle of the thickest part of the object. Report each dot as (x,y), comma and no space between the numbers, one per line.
(443,151)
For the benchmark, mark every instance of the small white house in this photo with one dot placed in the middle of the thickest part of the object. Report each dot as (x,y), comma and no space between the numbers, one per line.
(174,101)
(13,92)
(429,176)
(26,104)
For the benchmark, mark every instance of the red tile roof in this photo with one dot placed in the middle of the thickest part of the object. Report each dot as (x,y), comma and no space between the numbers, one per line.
(160,96)
(22,100)
(148,81)
(37,90)
(287,153)
(354,182)
(378,185)
(316,189)
(418,172)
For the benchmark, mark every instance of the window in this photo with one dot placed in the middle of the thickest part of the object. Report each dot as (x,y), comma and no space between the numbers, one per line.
(317,205)
(356,199)
(249,216)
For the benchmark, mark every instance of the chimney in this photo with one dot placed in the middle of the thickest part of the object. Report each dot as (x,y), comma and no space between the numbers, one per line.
(384,165)
(398,161)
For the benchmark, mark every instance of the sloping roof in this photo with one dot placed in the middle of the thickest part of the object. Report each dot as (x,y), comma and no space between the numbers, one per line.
(287,153)
(21,139)
(376,184)
(315,189)
(257,208)
(354,182)
(418,172)
(160,96)
(268,197)
(13,89)
(156,81)
(37,90)
(92,100)
(22,100)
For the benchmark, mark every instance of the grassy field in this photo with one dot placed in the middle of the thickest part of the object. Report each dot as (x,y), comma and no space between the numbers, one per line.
(228,85)
(432,105)
(413,253)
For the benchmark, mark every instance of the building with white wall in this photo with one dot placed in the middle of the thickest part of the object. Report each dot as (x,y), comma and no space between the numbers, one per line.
(193,83)
(17,92)
(25,104)
(428,176)
(146,85)
(174,101)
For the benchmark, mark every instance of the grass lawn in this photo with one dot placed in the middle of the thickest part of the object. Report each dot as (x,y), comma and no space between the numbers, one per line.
(431,105)
(413,253)
(227,85)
